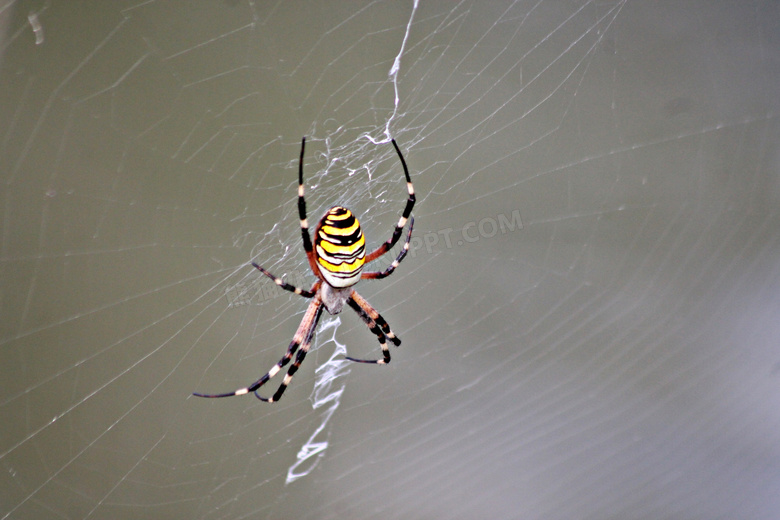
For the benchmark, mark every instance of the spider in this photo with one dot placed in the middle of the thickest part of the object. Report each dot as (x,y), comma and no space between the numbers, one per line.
(336,258)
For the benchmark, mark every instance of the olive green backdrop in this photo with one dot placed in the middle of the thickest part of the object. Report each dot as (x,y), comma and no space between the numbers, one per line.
(588,311)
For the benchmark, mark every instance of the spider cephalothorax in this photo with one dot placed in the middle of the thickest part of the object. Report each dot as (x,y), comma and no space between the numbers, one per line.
(336,258)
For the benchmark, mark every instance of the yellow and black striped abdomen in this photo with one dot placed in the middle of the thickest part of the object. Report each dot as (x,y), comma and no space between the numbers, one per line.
(340,247)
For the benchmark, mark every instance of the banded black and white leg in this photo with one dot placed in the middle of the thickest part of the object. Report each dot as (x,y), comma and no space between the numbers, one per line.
(302,339)
(307,245)
(387,245)
(289,287)
(377,324)
(376,275)
(304,334)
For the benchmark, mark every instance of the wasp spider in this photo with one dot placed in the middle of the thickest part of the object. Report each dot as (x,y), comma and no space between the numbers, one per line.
(336,258)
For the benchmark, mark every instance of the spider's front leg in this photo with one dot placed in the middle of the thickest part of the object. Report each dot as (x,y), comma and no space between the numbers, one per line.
(376,275)
(307,245)
(386,246)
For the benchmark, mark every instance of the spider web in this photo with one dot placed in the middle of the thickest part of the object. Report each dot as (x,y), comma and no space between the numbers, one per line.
(588,310)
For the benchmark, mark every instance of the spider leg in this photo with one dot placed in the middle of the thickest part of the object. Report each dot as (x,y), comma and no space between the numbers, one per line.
(313,313)
(377,324)
(301,338)
(307,245)
(375,275)
(286,286)
(385,247)
(374,315)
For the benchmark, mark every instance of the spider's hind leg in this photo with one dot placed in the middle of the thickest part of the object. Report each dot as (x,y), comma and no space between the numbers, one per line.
(302,339)
(377,324)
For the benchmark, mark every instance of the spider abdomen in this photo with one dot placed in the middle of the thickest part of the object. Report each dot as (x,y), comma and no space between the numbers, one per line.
(339,247)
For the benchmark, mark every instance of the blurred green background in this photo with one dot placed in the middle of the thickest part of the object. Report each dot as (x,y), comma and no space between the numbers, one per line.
(589,310)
